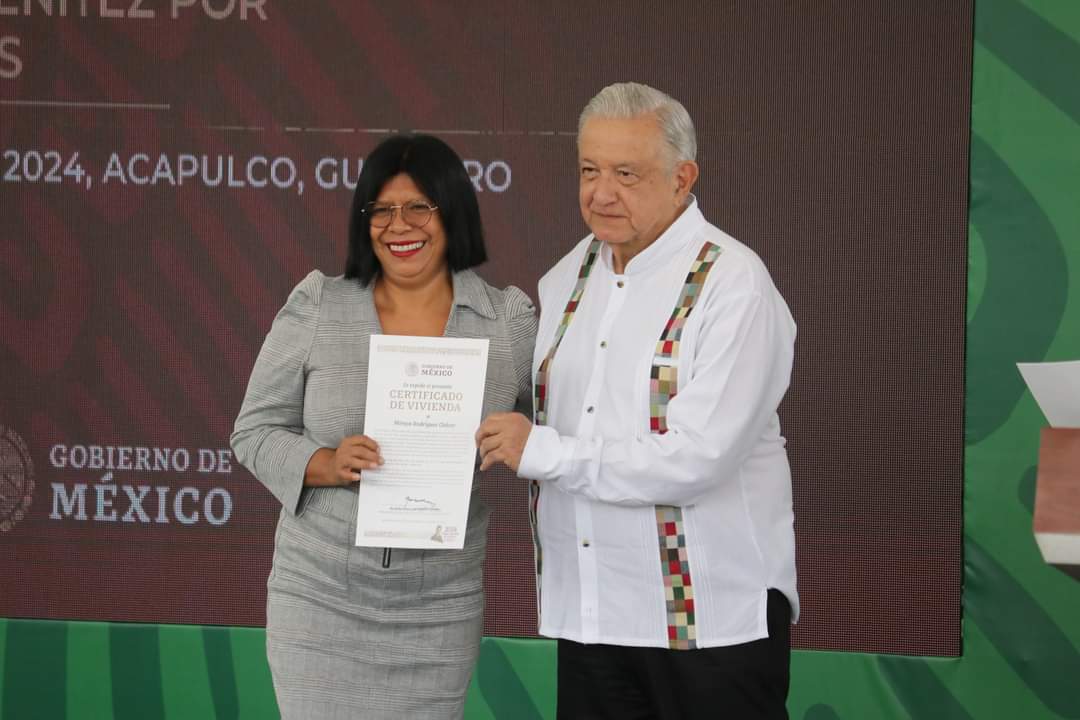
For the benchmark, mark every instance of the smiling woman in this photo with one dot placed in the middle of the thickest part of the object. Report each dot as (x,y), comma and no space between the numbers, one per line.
(350,633)
(406,170)
(407,237)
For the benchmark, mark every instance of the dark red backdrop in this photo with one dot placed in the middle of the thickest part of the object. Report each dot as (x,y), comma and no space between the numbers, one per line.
(833,141)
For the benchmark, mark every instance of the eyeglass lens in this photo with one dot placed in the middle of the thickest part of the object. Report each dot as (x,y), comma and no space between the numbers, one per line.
(416,214)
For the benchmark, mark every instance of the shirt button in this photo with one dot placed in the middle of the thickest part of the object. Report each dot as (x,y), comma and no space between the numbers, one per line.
(603,343)
(584,543)
(589,409)
(620,283)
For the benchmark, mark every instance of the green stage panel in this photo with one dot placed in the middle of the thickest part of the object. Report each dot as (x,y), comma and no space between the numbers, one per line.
(189,672)
(200,673)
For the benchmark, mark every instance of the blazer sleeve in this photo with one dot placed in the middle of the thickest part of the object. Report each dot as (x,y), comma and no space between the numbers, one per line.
(521,320)
(268,438)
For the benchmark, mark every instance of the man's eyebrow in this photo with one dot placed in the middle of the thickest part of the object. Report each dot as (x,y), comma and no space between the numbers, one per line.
(627,165)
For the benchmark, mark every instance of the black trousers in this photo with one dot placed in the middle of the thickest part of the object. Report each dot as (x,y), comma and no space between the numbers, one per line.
(742,682)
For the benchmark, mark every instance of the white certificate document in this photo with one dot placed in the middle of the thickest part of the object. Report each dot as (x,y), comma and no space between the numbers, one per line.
(424,399)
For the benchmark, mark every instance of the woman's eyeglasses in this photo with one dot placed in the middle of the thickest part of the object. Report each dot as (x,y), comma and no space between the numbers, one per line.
(416,213)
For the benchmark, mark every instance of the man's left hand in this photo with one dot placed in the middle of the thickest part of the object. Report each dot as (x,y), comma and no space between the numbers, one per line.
(502,438)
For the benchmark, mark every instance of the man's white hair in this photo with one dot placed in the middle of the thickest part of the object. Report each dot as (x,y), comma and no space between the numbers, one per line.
(629,99)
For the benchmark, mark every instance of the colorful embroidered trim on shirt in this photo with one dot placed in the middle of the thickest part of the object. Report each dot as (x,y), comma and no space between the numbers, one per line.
(678,588)
(663,386)
(664,377)
(540,388)
(541,384)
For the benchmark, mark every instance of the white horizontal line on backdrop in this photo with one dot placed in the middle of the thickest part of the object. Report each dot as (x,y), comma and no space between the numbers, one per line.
(87,104)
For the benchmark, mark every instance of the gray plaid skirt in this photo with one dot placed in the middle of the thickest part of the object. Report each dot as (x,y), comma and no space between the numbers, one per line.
(348,638)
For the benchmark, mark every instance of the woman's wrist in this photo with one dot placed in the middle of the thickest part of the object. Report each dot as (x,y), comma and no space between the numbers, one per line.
(320,469)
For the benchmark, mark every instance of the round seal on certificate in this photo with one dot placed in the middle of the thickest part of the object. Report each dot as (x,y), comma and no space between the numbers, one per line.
(16,479)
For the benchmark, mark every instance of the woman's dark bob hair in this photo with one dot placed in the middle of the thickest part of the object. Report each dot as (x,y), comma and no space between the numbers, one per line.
(439,173)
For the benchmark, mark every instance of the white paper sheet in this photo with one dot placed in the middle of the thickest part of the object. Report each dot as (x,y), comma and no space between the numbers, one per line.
(424,400)
(1056,387)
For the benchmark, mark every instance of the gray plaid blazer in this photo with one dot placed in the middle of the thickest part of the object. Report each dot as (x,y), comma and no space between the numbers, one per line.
(308,387)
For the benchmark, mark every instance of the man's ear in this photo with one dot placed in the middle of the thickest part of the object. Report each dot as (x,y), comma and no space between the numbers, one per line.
(686,174)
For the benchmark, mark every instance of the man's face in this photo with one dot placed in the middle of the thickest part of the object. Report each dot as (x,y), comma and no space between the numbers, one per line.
(629,193)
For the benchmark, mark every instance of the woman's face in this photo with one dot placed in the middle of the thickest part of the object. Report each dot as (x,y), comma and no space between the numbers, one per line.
(409,255)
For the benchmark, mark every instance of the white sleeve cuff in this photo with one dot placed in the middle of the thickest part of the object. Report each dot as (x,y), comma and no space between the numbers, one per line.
(544,454)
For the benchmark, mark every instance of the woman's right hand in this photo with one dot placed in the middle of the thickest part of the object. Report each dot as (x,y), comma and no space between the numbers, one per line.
(328,467)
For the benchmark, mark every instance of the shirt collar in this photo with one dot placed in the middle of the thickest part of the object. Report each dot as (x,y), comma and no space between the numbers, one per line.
(470,291)
(670,241)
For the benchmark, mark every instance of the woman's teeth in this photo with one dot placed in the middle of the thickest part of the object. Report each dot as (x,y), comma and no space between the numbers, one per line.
(407,247)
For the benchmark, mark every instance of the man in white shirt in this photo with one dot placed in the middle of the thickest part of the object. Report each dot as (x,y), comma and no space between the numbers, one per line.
(661,493)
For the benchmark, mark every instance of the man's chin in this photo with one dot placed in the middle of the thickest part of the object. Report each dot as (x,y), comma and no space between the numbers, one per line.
(607,234)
